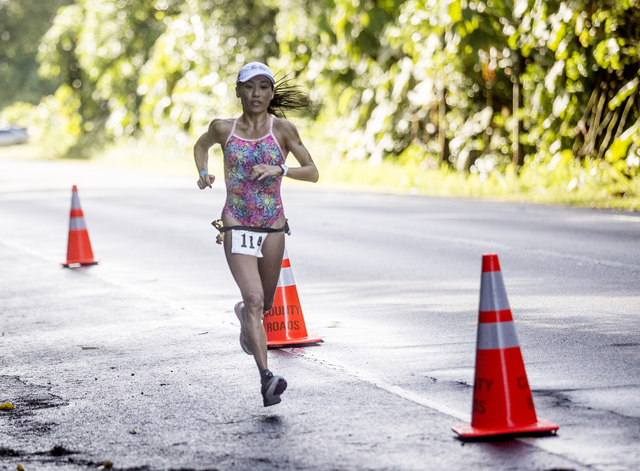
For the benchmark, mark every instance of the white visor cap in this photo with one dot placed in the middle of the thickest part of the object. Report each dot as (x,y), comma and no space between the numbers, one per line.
(253,69)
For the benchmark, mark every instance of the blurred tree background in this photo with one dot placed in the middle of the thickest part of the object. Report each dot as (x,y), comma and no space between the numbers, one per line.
(22,25)
(524,96)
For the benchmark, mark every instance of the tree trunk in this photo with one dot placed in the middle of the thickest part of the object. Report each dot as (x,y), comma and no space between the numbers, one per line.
(443,142)
(486,136)
(595,125)
(518,150)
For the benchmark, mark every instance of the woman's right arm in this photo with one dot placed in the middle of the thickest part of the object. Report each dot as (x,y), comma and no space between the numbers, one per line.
(201,151)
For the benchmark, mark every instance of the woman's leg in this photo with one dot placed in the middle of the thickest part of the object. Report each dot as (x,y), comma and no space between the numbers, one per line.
(244,269)
(269,266)
(257,279)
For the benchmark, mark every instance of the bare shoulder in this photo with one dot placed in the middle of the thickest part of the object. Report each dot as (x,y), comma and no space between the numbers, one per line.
(217,133)
(285,128)
(220,128)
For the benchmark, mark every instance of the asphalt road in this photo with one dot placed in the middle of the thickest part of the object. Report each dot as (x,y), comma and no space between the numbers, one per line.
(136,360)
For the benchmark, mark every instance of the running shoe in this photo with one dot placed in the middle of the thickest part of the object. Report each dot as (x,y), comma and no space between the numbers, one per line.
(244,341)
(272,387)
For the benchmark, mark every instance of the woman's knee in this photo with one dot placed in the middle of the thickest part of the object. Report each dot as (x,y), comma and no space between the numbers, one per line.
(254,301)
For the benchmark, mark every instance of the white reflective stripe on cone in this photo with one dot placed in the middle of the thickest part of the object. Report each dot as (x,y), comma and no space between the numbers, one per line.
(493,296)
(497,335)
(286,278)
(75,201)
(76,224)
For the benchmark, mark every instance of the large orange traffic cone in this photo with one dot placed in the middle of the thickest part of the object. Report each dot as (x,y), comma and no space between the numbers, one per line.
(502,402)
(79,247)
(284,323)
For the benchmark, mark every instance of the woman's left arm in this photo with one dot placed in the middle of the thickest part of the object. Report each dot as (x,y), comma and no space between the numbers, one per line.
(307,171)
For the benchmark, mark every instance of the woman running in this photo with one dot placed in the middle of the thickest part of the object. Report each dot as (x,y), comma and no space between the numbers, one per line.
(255,147)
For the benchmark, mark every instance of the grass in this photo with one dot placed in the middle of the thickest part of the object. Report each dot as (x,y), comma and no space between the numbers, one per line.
(541,186)
(444,182)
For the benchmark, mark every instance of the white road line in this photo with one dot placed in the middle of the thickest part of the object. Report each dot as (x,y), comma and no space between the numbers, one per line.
(367,377)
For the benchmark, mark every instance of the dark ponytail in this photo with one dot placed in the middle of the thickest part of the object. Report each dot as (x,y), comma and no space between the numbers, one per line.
(289,97)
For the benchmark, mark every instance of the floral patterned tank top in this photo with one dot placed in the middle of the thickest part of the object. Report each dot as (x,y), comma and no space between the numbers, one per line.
(252,203)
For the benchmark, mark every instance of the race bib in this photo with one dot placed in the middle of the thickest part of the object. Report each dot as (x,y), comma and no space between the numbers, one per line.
(247,242)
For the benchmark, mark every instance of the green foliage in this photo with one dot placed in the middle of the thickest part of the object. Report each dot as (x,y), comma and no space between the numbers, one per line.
(405,81)
(95,50)
(131,67)
(47,124)
(189,77)
(22,25)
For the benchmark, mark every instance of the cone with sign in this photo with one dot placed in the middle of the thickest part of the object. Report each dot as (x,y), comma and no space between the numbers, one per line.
(502,402)
(79,247)
(284,323)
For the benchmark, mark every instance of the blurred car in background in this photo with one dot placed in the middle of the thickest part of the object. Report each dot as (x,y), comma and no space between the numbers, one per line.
(11,135)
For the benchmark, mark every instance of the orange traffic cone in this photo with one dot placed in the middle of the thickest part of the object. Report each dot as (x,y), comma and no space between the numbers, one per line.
(502,402)
(284,323)
(79,247)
